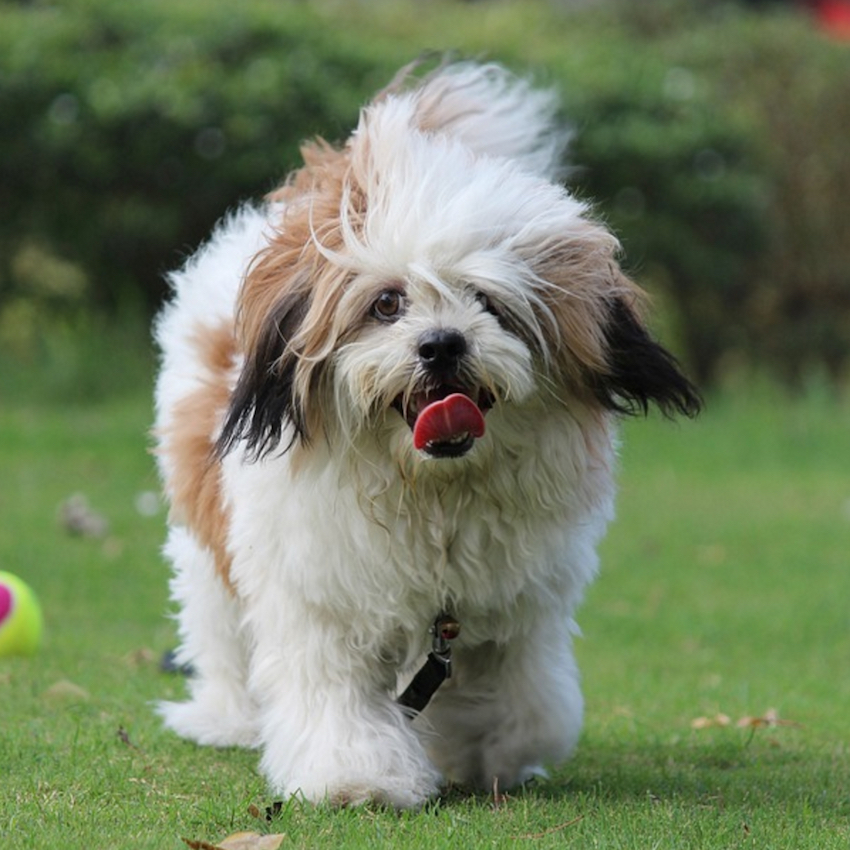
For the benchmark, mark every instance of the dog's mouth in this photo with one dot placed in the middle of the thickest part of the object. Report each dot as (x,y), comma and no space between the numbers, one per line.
(446,421)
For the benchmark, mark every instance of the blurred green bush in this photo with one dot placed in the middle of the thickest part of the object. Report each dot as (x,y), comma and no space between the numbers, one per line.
(721,157)
(714,140)
(129,128)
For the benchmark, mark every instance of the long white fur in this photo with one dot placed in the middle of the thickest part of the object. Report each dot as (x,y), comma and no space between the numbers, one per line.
(340,564)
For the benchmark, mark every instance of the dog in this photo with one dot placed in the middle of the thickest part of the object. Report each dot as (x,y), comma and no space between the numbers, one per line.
(386,427)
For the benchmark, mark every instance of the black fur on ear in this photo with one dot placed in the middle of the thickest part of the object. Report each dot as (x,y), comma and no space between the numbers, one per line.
(640,371)
(264,399)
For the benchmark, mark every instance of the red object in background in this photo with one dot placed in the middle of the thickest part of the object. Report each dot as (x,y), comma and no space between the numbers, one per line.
(834,16)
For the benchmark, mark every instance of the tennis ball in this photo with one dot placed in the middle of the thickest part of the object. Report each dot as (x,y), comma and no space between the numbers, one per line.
(20,617)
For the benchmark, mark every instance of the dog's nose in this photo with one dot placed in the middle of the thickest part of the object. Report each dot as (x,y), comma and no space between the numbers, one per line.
(441,349)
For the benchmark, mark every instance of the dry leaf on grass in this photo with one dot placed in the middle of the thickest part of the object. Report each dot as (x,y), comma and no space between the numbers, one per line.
(769,718)
(142,657)
(240,841)
(65,691)
(77,517)
(253,841)
(708,722)
(270,812)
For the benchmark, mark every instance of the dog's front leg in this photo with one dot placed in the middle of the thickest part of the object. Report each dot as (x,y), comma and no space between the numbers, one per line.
(330,729)
(510,710)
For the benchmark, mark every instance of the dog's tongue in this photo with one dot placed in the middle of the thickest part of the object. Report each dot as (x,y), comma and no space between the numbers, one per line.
(447,419)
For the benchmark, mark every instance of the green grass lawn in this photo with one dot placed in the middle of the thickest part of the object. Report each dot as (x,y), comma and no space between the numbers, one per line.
(724,591)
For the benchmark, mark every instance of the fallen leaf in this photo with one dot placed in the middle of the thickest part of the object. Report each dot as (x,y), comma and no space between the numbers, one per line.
(141,657)
(77,517)
(252,841)
(240,841)
(768,719)
(66,691)
(709,722)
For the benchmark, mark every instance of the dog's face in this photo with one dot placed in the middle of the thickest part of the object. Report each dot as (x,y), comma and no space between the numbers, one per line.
(414,285)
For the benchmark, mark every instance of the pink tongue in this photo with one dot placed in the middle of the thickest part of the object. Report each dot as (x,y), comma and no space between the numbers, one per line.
(450,417)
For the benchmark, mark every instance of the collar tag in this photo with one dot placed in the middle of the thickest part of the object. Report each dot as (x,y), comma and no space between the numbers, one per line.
(443,631)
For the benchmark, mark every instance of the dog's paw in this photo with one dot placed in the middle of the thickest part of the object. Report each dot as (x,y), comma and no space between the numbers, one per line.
(402,783)
(201,721)
(381,791)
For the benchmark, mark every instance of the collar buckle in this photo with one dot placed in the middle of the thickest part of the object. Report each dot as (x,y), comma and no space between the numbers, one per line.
(443,631)
(437,667)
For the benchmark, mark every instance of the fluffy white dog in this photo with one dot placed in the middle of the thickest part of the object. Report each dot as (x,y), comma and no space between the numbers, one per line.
(387,400)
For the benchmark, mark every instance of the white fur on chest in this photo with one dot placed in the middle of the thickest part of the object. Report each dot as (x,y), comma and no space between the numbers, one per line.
(355,539)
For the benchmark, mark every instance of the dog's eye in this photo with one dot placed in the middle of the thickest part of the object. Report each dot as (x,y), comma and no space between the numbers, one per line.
(487,304)
(389,305)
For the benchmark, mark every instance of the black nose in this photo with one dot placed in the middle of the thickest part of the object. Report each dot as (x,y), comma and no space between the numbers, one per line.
(441,350)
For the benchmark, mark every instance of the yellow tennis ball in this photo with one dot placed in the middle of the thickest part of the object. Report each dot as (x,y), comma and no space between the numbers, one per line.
(20,617)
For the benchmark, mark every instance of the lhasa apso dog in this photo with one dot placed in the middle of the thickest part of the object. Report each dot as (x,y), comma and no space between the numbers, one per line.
(386,427)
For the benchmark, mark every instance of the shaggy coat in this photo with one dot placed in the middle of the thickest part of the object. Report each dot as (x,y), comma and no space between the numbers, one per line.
(432,256)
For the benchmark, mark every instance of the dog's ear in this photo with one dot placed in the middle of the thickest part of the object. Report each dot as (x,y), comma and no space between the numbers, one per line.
(265,398)
(597,341)
(287,308)
(638,370)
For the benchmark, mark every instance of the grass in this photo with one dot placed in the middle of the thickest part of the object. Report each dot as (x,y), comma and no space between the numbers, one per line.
(724,591)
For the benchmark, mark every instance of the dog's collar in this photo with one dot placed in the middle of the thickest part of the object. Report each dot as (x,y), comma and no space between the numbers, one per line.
(437,667)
